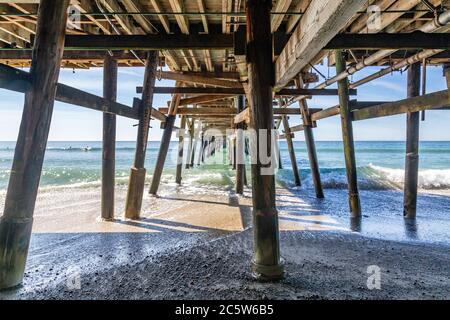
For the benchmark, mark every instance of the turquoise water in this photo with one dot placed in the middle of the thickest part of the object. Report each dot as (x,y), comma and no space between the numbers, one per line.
(380,164)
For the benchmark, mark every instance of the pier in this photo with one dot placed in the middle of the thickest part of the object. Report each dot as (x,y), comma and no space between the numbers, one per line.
(241,68)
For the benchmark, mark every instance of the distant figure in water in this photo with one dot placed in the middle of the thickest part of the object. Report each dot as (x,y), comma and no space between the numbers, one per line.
(87,148)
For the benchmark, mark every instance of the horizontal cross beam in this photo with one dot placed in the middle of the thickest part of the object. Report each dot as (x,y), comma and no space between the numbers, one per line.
(18,80)
(230,111)
(241,91)
(149,42)
(25,54)
(425,102)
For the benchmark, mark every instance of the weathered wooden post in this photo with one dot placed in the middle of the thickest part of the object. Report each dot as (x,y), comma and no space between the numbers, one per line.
(311,148)
(200,152)
(137,173)
(180,150)
(17,219)
(290,144)
(347,137)
(280,160)
(194,146)
(165,143)
(412,146)
(190,145)
(109,139)
(204,149)
(266,264)
(239,148)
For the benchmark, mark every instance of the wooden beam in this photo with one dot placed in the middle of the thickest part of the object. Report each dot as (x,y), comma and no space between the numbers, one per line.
(243,116)
(18,80)
(25,54)
(298,128)
(397,10)
(294,19)
(321,22)
(398,41)
(281,6)
(198,78)
(163,18)
(17,219)
(138,172)
(183,23)
(109,140)
(80,98)
(326,113)
(135,6)
(240,90)
(149,42)
(429,101)
(86,7)
(201,111)
(124,21)
(201,8)
(202,99)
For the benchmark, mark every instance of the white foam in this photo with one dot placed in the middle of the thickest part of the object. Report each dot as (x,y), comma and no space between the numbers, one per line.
(428,179)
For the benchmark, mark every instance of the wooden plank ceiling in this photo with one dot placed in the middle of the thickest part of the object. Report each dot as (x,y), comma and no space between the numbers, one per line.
(119,17)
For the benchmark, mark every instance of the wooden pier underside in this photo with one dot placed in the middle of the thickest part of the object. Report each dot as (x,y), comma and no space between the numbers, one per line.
(218,51)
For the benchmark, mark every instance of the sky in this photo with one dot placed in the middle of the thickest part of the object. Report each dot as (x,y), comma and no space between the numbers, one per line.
(73,123)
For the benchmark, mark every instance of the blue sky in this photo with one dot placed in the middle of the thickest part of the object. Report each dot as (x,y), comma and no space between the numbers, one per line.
(71,123)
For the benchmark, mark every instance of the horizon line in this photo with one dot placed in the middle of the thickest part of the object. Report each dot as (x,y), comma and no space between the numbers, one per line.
(280,141)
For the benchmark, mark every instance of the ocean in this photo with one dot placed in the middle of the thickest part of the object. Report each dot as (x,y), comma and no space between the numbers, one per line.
(380,165)
(70,189)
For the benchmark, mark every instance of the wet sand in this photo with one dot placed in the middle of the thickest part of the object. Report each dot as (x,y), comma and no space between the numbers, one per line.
(192,244)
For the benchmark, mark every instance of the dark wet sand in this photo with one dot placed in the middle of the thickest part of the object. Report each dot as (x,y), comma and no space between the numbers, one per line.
(179,254)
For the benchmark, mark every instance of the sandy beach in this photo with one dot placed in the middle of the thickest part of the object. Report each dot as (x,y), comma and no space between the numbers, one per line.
(190,245)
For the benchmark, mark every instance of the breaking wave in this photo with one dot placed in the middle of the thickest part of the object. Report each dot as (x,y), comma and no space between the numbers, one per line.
(373,177)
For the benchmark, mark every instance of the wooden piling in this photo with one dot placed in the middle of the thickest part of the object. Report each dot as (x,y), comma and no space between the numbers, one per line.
(109,140)
(200,151)
(137,172)
(347,137)
(280,160)
(291,150)
(164,147)
(194,148)
(266,263)
(180,150)
(311,149)
(17,219)
(412,146)
(239,149)
(234,152)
